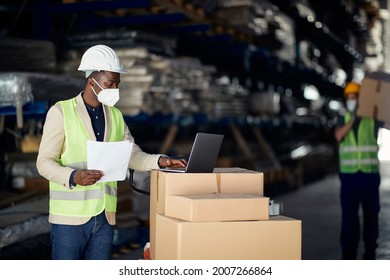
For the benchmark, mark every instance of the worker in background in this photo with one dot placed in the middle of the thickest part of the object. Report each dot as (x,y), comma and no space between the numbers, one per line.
(82,211)
(359,177)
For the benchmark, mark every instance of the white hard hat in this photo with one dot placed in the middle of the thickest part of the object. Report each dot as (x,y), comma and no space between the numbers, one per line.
(100,58)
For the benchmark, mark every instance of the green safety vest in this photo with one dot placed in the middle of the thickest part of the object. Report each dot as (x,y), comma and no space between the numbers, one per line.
(360,155)
(83,201)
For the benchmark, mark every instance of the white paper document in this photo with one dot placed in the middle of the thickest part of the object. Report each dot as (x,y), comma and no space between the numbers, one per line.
(110,157)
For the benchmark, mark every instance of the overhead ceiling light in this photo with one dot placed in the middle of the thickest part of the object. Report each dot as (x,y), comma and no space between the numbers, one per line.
(318,24)
(335,105)
(310,92)
(339,76)
(358,74)
(301,111)
(310,18)
(301,151)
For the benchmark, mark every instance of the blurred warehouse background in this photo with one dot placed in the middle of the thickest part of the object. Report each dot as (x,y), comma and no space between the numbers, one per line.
(268,74)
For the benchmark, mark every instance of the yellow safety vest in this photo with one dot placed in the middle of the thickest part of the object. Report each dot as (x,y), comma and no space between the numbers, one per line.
(83,201)
(360,155)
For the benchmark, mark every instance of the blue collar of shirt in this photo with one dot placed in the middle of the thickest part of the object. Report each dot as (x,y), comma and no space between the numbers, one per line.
(91,109)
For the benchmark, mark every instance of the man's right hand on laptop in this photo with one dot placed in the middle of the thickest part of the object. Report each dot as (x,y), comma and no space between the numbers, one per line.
(171,162)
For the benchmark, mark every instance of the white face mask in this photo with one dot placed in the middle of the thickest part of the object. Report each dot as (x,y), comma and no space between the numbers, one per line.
(351,105)
(107,96)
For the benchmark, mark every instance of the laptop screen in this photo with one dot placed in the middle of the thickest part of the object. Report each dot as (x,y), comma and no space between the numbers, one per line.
(204,154)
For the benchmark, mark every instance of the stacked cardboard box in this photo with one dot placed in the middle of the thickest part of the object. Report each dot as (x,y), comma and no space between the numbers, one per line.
(220,215)
(374,97)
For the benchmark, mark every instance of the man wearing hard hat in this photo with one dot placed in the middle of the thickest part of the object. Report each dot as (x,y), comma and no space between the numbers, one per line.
(82,211)
(359,177)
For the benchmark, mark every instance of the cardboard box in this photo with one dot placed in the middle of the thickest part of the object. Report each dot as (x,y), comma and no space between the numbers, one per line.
(223,180)
(278,238)
(374,96)
(217,207)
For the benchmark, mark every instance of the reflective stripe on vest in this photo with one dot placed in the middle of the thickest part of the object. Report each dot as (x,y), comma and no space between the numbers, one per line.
(83,201)
(78,195)
(361,154)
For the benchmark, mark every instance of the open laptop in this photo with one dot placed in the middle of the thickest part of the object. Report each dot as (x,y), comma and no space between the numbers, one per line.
(204,154)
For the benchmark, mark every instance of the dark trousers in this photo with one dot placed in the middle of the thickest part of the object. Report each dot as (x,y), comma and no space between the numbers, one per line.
(359,189)
(90,241)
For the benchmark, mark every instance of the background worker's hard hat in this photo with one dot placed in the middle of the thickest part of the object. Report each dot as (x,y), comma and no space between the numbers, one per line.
(351,88)
(100,58)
